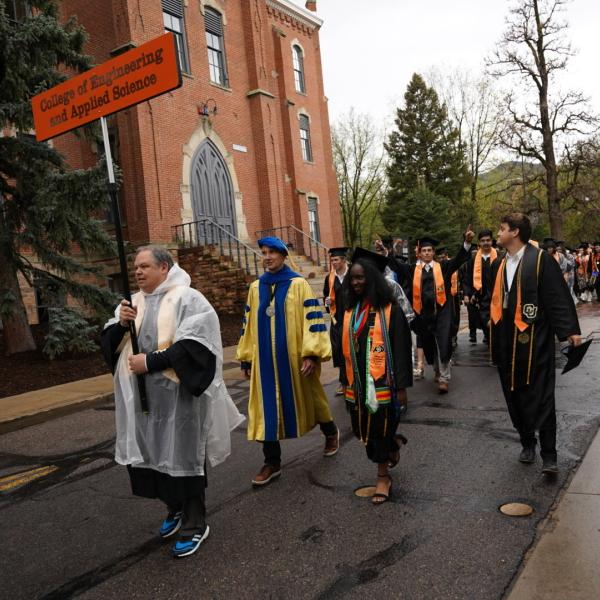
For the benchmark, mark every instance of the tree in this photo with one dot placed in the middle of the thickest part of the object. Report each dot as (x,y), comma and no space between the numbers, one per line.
(474,107)
(45,208)
(358,159)
(426,213)
(534,50)
(423,152)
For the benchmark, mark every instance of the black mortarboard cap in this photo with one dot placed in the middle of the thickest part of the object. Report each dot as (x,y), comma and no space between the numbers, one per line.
(596,244)
(584,245)
(441,250)
(380,261)
(386,239)
(575,355)
(341,251)
(549,242)
(427,241)
(560,242)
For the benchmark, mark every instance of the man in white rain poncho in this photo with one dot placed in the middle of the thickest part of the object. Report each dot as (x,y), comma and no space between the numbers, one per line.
(190,414)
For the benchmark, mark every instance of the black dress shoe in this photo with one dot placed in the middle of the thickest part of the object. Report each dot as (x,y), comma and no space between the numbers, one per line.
(550,467)
(527,455)
(473,339)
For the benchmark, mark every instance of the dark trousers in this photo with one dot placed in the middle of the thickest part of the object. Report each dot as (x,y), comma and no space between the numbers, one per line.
(194,514)
(185,494)
(526,415)
(473,314)
(272,450)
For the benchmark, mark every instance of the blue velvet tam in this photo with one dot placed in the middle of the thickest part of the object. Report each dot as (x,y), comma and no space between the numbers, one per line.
(273,242)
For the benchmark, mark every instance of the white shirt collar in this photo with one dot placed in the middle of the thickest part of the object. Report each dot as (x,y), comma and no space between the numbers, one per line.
(517,256)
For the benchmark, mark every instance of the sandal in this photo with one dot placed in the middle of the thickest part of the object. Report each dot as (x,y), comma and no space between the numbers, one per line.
(379,497)
(394,457)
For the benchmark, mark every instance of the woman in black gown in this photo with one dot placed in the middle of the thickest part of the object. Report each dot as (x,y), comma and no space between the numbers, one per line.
(377,365)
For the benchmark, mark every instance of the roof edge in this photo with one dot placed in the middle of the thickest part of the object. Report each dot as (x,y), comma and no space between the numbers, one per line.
(296,11)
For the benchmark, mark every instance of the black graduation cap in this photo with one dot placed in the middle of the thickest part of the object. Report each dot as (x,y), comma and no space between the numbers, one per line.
(341,251)
(549,242)
(441,250)
(575,355)
(387,239)
(596,244)
(427,241)
(378,260)
(584,245)
(559,242)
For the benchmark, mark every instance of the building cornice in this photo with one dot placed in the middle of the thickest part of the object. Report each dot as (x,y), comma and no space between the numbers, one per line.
(296,12)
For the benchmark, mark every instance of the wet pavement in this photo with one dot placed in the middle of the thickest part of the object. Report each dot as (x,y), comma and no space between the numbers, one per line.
(70,526)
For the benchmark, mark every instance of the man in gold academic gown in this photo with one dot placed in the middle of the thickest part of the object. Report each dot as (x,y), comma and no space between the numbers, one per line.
(284,340)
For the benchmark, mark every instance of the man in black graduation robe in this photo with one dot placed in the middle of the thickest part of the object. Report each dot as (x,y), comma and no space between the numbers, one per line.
(477,293)
(433,324)
(334,304)
(523,341)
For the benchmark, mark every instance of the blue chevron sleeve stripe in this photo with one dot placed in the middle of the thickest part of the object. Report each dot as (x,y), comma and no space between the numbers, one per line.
(311,302)
(315,314)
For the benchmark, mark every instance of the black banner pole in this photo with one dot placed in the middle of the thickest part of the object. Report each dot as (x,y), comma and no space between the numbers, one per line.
(112,190)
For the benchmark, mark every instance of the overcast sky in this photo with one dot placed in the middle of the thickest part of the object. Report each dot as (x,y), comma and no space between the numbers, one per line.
(370,49)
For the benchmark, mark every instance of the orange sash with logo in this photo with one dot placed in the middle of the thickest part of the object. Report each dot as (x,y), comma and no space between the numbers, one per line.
(454,281)
(332,295)
(498,297)
(477,267)
(377,358)
(440,290)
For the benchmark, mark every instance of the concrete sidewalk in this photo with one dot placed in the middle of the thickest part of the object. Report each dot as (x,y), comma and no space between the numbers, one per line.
(564,562)
(40,405)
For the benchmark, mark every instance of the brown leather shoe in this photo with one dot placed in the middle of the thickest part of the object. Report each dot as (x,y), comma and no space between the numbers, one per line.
(267,474)
(332,444)
(442,387)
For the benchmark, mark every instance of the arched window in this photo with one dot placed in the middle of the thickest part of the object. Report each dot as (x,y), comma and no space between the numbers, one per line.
(213,25)
(307,154)
(298,58)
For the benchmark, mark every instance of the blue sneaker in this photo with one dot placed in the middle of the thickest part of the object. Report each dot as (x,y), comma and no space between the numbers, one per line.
(171,524)
(188,545)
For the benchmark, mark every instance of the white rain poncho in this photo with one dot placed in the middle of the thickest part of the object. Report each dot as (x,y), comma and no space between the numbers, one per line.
(181,431)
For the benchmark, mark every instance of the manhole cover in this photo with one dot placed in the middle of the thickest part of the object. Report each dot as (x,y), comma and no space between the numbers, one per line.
(366,491)
(516,509)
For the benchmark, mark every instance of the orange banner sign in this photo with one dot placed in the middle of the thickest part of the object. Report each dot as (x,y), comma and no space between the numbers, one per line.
(130,78)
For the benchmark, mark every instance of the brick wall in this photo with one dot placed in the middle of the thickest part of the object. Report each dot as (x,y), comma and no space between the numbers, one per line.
(259,111)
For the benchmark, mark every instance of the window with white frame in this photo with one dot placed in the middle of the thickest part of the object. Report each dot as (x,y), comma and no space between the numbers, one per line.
(213,24)
(307,154)
(298,60)
(173,22)
(313,219)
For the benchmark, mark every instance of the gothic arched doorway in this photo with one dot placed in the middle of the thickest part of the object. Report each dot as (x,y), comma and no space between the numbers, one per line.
(211,187)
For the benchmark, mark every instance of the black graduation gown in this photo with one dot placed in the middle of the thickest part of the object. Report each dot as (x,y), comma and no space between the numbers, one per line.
(435,322)
(482,296)
(526,365)
(195,365)
(377,431)
(335,331)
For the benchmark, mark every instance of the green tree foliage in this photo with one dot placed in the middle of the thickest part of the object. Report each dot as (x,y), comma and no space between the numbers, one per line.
(46,208)
(424,152)
(426,213)
(68,331)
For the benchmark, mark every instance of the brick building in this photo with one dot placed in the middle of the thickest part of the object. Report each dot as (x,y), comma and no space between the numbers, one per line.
(244,142)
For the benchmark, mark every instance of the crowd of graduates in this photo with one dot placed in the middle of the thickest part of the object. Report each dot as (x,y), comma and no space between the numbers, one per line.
(389,318)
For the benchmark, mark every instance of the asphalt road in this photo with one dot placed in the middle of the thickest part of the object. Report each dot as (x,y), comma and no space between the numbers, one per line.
(70,526)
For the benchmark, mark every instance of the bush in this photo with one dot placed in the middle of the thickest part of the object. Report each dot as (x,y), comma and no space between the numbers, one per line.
(68,331)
